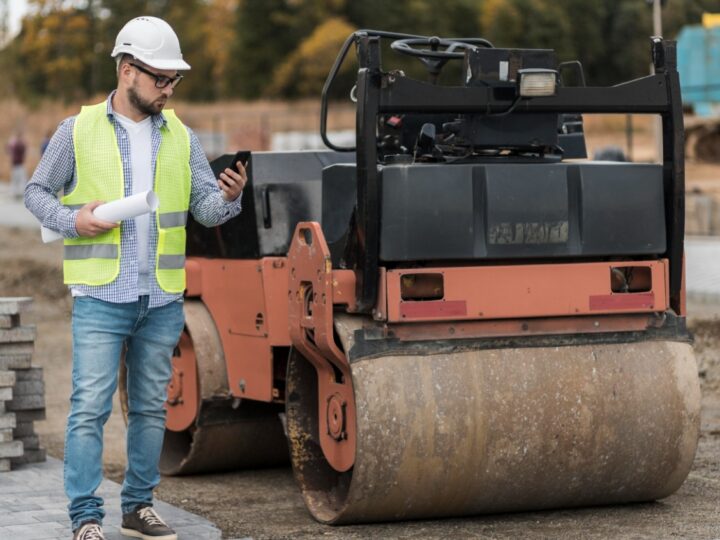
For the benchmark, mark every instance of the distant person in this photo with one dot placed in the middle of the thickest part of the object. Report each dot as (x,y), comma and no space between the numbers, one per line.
(127,279)
(45,142)
(18,177)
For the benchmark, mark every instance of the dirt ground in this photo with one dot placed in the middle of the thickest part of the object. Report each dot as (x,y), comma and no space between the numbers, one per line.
(267,504)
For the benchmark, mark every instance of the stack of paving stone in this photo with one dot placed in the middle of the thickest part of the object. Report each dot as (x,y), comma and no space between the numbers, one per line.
(22,390)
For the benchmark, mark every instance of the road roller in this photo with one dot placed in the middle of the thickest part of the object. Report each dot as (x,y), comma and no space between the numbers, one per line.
(458,315)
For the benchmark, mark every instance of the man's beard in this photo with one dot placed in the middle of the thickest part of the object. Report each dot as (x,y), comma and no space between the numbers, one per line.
(146,107)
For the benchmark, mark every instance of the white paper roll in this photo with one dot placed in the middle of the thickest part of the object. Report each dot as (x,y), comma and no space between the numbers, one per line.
(120,210)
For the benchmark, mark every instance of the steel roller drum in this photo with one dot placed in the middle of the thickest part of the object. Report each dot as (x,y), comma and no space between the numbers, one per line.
(503,430)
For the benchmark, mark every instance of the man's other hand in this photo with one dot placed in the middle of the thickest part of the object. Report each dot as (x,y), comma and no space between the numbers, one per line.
(232,183)
(88,225)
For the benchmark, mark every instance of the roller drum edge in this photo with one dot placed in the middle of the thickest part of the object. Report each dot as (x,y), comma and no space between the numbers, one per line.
(504,430)
(223,436)
(225,447)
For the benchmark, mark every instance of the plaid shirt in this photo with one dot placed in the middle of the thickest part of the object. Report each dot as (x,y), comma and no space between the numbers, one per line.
(57,171)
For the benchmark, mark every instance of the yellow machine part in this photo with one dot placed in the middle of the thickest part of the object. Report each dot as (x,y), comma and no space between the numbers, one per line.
(502,430)
(710,20)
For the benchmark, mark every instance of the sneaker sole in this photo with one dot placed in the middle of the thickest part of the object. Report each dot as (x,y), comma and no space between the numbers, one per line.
(137,534)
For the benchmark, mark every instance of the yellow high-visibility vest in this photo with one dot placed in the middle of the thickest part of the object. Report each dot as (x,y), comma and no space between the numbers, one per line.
(96,261)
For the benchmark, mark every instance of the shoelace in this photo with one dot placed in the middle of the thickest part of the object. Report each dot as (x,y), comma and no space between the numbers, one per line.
(149,516)
(91,531)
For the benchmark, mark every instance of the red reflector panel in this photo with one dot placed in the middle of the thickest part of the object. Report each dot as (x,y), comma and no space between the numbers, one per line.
(622,301)
(439,308)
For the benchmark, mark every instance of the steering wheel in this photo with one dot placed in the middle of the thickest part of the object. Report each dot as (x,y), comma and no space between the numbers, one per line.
(410,46)
(434,58)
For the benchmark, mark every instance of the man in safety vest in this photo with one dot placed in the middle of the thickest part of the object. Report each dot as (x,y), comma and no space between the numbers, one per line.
(127,279)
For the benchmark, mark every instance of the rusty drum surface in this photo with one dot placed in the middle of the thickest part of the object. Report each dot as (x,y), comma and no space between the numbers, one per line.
(504,430)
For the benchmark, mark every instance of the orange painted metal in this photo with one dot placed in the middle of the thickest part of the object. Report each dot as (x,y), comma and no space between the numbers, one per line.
(193,277)
(343,289)
(428,331)
(237,294)
(275,284)
(312,294)
(523,291)
(182,402)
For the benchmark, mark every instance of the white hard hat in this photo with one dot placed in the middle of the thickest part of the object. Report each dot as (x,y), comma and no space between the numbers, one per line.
(152,41)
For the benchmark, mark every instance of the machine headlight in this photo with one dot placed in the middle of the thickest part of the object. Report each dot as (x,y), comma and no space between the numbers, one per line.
(534,82)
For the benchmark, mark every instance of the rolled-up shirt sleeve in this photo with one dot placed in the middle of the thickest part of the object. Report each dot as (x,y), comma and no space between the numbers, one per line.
(54,173)
(207,204)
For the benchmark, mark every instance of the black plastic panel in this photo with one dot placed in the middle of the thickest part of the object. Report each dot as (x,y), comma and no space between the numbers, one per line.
(284,188)
(339,192)
(507,211)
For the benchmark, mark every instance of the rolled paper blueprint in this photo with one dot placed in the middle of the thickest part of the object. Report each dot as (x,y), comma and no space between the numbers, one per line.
(120,210)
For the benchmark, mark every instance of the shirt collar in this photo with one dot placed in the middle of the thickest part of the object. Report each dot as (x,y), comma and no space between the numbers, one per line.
(158,120)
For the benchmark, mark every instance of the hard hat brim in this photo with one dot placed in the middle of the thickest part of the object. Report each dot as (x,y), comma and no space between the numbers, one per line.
(157,63)
(167,64)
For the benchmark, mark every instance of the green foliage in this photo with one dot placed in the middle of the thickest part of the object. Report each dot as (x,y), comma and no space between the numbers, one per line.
(284,48)
(55,54)
(304,71)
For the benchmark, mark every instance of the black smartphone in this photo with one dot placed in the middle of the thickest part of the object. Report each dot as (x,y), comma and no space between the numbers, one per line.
(243,157)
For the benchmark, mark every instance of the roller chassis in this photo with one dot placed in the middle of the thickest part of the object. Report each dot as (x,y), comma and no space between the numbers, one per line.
(365,324)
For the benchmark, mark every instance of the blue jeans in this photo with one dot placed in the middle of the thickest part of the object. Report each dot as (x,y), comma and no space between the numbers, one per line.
(100,330)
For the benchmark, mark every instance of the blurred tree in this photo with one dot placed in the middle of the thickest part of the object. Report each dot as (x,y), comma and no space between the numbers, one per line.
(303,73)
(252,48)
(528,24)
(681,12)
(219,30)
(625,50)
(54,51)
(268,31)
(456,18)
(189,20)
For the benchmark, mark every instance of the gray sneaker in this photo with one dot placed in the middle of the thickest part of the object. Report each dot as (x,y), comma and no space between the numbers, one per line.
(144,523)
(90,530)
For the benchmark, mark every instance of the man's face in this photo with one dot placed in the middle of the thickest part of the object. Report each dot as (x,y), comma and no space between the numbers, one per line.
(142,92)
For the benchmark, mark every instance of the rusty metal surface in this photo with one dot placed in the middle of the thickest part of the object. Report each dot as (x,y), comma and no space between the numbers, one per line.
(224,435)
(527,290)
(310,316)
(208,347)
(234,294)
(182,401)
(505,430)
(524,327)
(234,444)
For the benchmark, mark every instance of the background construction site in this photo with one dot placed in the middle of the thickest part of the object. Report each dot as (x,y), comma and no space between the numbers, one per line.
(247,106)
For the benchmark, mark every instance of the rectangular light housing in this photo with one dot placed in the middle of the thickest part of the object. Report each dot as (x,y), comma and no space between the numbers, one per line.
(535,82)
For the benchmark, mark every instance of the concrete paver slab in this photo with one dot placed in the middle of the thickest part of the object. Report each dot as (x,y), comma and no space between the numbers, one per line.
(33,507)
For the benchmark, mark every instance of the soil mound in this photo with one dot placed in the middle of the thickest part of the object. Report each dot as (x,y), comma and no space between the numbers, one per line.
(27,277)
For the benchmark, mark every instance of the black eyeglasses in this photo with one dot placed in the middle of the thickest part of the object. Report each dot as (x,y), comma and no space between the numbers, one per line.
(161,81)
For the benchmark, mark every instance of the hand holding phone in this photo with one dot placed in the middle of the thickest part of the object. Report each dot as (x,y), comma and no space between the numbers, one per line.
(232,182)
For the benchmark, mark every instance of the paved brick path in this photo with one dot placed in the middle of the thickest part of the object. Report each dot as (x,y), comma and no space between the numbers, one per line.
(33,507)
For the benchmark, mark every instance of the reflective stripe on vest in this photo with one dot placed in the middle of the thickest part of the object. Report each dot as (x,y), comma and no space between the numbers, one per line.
(91,251)
(96,261)
(173,219)
(171,262)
